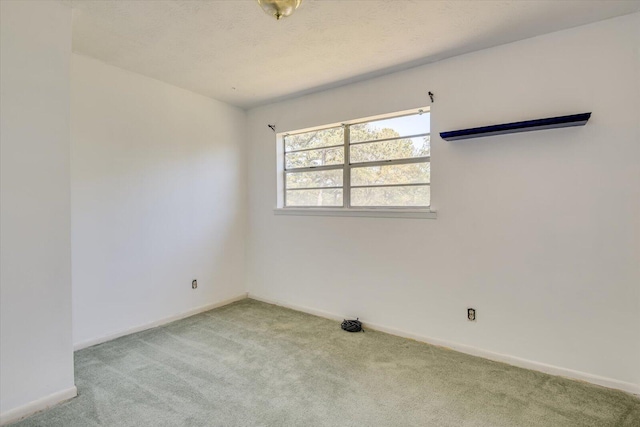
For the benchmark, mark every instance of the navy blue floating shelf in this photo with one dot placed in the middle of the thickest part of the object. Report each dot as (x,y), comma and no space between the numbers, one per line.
(526,126)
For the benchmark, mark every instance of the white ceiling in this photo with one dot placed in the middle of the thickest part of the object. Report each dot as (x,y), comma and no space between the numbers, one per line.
(231,51)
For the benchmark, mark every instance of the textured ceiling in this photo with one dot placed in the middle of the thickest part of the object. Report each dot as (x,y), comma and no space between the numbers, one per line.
(231,51)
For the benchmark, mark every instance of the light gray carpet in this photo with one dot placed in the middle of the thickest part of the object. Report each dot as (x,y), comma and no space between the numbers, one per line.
(255,364)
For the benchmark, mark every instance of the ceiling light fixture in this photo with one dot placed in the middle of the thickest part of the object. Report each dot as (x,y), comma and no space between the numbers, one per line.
(279,8)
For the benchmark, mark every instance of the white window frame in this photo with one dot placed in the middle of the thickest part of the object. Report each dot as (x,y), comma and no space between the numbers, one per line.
(347,209)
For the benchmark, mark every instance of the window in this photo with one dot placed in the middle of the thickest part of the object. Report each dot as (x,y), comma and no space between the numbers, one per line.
(374,163)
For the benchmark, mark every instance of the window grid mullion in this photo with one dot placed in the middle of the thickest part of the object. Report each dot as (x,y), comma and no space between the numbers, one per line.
(410,160)
(314,188)
(395,138)
(346,177)
(314,168)
(419,184)
(313,149)
(284,170)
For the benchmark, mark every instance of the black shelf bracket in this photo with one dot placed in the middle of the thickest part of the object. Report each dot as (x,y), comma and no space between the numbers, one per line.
(526,126)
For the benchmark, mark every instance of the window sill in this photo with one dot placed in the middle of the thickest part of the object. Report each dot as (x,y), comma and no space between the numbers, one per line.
(371,213)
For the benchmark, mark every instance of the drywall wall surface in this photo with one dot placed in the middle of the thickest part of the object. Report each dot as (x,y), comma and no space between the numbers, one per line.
(36,352)
(538,231)
(158,199)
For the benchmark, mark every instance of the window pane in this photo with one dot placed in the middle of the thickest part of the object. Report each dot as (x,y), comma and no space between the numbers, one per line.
(405,148)
(315,139)
(330,178)
(391,196)
(415,124)
(415,173)
(322,157)
(326,197)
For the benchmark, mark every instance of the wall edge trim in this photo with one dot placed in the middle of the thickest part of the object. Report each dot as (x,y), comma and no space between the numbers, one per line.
(37,405)
(473,351)
(143,327)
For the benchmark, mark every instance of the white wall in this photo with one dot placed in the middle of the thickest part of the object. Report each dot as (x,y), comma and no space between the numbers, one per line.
(36,354)
(540,232)
(158,199)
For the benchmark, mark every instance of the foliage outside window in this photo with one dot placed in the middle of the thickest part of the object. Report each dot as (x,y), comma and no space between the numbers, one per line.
(378,163)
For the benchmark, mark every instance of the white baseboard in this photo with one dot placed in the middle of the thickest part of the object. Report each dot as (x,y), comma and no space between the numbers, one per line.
(38,405)
(156,323)
(474,351)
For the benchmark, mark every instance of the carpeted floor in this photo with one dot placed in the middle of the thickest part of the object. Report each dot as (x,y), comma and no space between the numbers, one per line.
(255,364)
